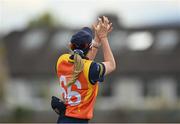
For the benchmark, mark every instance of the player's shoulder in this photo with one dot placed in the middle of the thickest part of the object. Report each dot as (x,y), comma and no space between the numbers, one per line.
(88,61)
(63,57)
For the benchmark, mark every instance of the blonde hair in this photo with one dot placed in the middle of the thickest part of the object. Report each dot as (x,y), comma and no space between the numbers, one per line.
(78,67)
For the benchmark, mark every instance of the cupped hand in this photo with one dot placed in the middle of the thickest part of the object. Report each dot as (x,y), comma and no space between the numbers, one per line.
(103,27)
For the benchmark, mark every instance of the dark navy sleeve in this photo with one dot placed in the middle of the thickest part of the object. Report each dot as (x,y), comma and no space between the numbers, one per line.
(96,72)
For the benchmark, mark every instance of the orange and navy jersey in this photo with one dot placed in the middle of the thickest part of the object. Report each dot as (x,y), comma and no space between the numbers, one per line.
(79,97)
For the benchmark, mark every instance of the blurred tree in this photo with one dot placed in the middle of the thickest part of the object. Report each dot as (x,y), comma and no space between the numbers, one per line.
(44,20)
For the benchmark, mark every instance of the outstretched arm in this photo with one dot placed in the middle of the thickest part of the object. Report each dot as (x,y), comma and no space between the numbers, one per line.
(109,61)
(97,41)
(104,28)
(95,44)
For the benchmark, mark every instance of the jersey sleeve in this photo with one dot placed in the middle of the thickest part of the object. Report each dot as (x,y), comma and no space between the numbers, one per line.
(96,72)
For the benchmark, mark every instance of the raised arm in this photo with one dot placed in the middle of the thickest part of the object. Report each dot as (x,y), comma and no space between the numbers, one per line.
(104,28)
(109,61)
(95,44)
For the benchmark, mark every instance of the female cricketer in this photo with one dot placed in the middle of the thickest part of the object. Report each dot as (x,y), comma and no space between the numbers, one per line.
(79,75)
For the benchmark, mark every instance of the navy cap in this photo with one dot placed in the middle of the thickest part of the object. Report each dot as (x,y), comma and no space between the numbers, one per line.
(84,36)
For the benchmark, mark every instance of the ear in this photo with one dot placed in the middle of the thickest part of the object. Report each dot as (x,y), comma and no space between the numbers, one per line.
(86,46)
(72,46)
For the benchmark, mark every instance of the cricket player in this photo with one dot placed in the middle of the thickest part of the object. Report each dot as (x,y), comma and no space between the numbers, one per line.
(79,75)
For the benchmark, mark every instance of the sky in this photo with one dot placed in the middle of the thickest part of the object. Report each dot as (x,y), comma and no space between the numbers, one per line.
(15,14)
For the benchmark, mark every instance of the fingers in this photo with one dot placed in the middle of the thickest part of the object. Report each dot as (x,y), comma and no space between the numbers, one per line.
(110,27)
(95,24)
(106,20)
(103,27)
(94,27)
(100,21)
